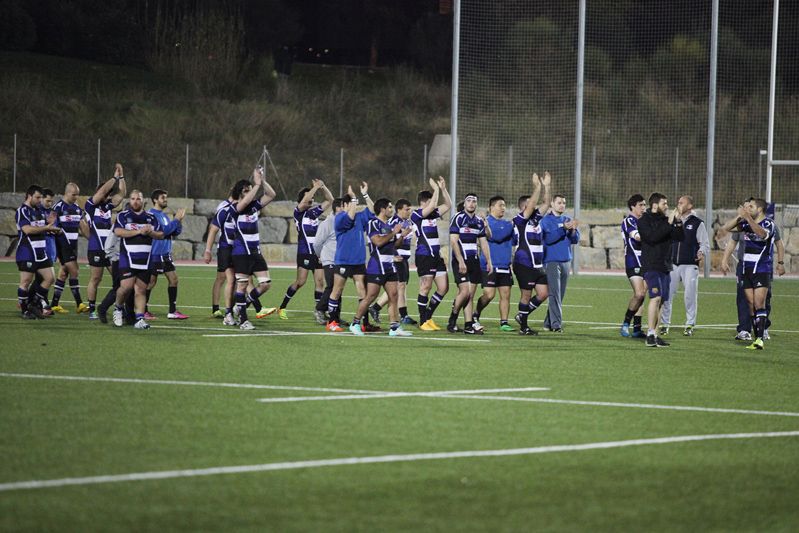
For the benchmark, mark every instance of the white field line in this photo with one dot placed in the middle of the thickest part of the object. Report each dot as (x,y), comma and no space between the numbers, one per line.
(397,458)
(621,404)
(376,395)
(189,383)
(703,326)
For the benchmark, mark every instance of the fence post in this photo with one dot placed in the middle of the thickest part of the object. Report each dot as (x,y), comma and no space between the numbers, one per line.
(510,167)
(186,193)
(98,161)
(14,188)
(341,174)
(593,162)
(677,174)
(424,166)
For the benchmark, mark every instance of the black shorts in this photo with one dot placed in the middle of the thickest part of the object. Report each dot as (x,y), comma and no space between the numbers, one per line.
(162,264)
(308,261)
(529,277)
(224,259)
(427,265)
(97,258)
(756,281)
(403,271)
(634,272)
(381,279)
(497,279)
(143,275)
(347,271)
(33,266)
(473,274)
(66,251)
(249,264)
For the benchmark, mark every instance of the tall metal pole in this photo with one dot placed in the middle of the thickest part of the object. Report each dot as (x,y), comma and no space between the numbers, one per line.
(456,51)
(98,162)
(676,173)
(341,173)
(424,167)
(760,171)
(711,126)
(14,188)
(186,193)
(510,167)
(578,135)
(772,98)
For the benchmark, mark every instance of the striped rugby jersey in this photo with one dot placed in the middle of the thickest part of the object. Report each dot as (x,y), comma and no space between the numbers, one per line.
(757,250)
(99,219)
(225,223)
(307,222)
(632,247)
(402,247)
(68,219)
(247,240)
(427,242)
(31,248)
(134,252)
(468,228)
(527,231)
(381,259)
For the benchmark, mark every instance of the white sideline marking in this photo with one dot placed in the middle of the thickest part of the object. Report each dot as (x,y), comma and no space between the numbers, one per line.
(349,461)
(377,395)
(620,404)
(191,383)
(342,335)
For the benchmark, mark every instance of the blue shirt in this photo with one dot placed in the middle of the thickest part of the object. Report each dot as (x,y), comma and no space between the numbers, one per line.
(171,229)
(469,229)
(757,250)
(557,239)
(99,219)
(381,259)
(135,252)
(500,245)
(427,242)
(350,244)
(307,222)
(632,247)
(527,232)
(31,248)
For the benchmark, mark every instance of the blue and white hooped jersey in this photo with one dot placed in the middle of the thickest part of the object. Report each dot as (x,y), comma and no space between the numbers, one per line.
(426,229)
(528,234)
(402,247)
(135,252)
(469,229)
(31,248)
(757,250)
(68,219)
(247,240)
(632,247)
(99,219)
(381,259)
(225,223)
(307,222)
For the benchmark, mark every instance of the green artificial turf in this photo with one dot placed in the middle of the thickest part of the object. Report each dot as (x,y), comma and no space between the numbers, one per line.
(55,428)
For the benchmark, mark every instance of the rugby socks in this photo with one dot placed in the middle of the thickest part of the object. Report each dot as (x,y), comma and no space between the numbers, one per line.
(41,294)
(524,312)
(22,299)
(365,317)
(139,316)
(214,308)
(434,302)
(403,311)
(394,326)
(421,302)
(333,309)
(317,296)
(75,289)
(760,322)
(173,298)
(290,292)
(636,323)
(628,316)
(254,299)
(57,290)
(534,303)
(92,306)
(147,305)
(241,305)
(377,307)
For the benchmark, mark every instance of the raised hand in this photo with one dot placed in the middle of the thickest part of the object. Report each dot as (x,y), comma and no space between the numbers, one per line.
(742,212)
(536,179)
(180,213)
(317,184)
(433,184)
(442,183)
(258,175)
(364,188)
(547,179)
(118,172)
(350,191)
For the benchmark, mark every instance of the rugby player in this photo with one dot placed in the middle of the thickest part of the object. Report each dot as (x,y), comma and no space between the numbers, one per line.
(632,263)
(162,251)
(69,217)
(31,255)
(500,244)
(226,228)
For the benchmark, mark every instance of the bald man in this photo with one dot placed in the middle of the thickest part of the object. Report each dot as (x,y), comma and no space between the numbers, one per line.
(69,218)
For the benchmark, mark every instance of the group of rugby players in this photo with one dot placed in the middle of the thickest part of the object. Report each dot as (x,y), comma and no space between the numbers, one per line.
(484,250)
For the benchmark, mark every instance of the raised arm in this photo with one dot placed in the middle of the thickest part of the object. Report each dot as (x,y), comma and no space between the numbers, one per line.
(447,205)
(328,196)
(433,204)
(365,192)
(257,176)
(303,206)
(546,183)
(353,204)
(122,188)
(269,194)
(732,225)
(532,202)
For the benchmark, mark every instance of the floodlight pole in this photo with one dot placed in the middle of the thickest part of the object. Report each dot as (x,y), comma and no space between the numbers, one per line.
(456,52)
(711,126)
(772,99)
(578,136)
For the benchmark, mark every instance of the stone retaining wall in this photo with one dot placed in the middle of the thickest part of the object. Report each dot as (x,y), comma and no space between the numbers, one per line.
(600,243)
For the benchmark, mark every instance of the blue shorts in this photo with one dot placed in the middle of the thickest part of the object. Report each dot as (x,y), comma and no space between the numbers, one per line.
(658,284)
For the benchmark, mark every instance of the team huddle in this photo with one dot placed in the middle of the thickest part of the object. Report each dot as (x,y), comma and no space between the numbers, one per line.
(373,247)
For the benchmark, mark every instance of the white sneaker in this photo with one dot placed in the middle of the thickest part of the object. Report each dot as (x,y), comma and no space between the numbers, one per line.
(140,324)
(477,326)
(229,320)
(355,329)
(399,332)
(743,336)
(766,335)
(246,325)
(118,318)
